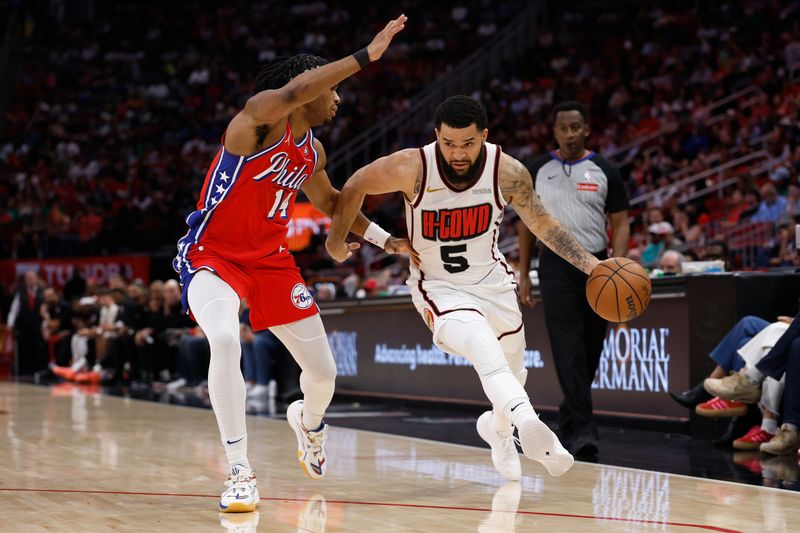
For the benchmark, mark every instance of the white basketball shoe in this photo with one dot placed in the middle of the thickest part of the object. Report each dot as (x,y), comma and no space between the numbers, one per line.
(504,452)
(541,444)
(242,494)
(310,444)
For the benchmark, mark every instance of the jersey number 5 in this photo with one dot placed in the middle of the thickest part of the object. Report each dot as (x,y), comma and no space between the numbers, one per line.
(454,263)
(280,206)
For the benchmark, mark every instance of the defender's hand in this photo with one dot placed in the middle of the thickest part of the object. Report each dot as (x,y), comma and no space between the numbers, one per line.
(402,246)
(381,42)
(341,251)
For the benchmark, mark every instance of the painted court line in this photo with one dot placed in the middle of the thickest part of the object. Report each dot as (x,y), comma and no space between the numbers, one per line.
(389,504)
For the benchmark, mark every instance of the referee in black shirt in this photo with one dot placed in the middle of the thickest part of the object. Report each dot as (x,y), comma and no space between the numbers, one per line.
(579,188)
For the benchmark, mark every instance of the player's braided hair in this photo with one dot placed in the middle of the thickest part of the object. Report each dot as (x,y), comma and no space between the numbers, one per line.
(281,70)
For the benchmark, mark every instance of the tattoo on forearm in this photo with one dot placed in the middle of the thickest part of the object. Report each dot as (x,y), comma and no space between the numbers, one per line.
(517,187)
(561,241)
(537,208)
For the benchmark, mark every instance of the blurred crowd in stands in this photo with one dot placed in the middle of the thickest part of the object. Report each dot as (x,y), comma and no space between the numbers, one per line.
(107,138)
(114,117)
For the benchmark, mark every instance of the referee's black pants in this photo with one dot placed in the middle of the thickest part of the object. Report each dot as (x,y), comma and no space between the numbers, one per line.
(576,340)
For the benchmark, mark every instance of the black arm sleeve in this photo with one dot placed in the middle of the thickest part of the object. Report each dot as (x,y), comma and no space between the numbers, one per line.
(617,198)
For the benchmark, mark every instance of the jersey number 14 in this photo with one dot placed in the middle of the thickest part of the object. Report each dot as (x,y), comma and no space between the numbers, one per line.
(280,206)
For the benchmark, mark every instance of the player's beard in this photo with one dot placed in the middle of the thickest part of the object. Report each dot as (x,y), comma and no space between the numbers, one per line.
(460,181)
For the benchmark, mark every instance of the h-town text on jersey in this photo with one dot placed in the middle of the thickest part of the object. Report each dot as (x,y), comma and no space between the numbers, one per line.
(458,224)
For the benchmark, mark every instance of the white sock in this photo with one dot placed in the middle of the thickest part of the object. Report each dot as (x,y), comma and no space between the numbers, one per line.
(770,425)
(311,422)
(236,451)
(753,375)
(521,410)
(514,351)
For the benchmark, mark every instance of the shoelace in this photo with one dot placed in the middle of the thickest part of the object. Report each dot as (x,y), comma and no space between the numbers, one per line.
(316,442)
(240,481)
(508,444)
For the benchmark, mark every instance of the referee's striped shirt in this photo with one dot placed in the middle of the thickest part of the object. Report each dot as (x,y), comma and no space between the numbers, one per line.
(579,194)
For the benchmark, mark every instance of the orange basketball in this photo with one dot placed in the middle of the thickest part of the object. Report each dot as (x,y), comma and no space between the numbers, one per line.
(618,289)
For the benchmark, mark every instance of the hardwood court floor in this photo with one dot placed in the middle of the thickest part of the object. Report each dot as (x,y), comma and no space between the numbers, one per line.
(77,461)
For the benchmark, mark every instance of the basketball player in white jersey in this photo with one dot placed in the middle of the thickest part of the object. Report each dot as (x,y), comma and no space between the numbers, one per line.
(455,190)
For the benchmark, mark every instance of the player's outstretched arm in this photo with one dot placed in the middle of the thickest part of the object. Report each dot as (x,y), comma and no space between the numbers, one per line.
(398,172)
(516,186)
(268,106)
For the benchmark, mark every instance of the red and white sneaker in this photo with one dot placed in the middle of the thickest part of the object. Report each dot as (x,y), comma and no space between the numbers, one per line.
(716,407)
(752,439)
(242,493)
(310,444)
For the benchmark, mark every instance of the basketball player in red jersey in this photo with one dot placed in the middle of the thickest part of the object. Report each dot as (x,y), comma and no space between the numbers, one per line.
(236,248)
(456,189)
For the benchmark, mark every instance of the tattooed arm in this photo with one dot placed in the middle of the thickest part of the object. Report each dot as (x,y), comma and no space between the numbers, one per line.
(516,186)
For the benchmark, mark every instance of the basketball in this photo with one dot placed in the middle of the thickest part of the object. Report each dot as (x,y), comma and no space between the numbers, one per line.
(618,289)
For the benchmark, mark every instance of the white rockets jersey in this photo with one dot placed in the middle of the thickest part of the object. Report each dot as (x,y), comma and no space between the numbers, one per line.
(456,232)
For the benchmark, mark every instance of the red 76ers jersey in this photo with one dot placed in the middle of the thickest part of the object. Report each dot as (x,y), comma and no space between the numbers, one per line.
(247,201)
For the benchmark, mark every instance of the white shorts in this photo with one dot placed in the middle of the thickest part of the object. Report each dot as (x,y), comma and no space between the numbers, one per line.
(495,298)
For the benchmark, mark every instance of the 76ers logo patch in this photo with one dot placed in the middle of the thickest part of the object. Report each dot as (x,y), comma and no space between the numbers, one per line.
(301,298)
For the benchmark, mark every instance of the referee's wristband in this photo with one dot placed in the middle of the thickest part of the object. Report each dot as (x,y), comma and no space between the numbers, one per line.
(362,56)
(376,235)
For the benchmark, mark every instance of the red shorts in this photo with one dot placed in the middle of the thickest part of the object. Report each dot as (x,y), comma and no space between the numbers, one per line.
(274,289)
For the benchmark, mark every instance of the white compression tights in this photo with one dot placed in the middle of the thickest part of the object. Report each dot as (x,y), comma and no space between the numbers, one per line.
(307,342)
(215,306)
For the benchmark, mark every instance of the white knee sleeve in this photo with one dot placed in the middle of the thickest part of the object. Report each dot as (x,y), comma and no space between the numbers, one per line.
(470,336)
(307,342)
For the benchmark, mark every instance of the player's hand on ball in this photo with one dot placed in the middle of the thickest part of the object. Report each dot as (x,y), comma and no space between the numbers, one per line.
(618,289)
(402,246)
(341,251)
(380,43)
